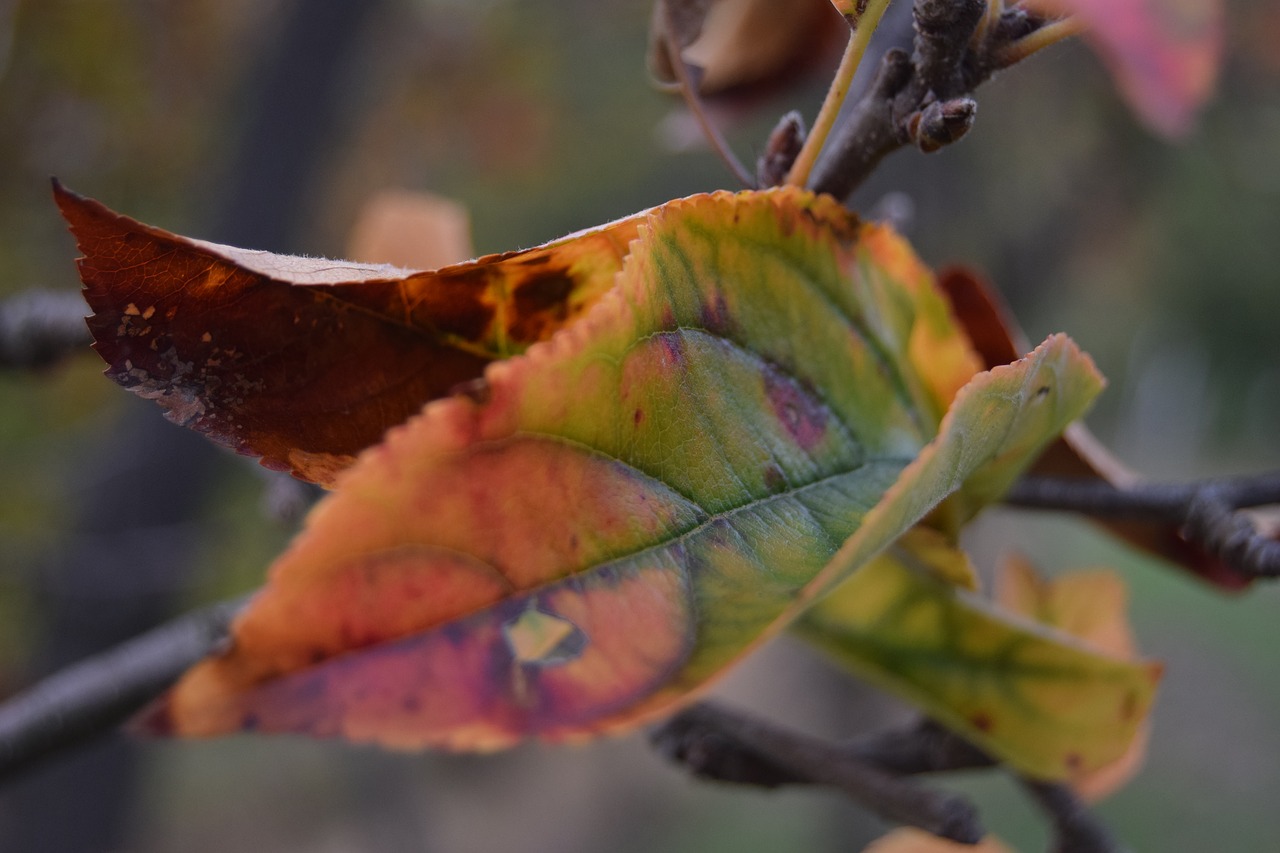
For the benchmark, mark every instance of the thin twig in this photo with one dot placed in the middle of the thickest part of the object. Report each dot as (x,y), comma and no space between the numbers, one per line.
(925,99)
(1207,511)
(864,26)
(96,695)
(716,743)
(925,747)
(689,90)
(995,8)
(1075,828)
(1036,41)
(41,327)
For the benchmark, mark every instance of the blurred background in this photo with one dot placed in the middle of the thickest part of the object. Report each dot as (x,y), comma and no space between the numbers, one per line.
(266,123)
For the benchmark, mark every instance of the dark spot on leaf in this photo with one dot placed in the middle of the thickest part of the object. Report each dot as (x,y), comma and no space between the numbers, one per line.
(982,721)
(797,407)
(540,304)
(638,417)
(1129,707)
(1042,391)
(714,316)
(671,345)
(451,303)
(774,479)
(457,634)
(1074,762)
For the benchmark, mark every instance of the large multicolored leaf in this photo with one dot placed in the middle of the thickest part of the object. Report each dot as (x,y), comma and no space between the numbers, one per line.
(307,361)
(1037,697)
(607,522)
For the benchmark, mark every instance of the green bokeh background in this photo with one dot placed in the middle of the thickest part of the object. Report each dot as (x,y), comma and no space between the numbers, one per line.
(1160,259)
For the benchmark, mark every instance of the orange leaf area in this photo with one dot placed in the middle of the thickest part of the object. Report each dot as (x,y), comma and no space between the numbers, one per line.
(306,361)
(1164,54)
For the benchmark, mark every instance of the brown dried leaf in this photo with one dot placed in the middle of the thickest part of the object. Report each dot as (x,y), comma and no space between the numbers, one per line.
(306,361)
(737,43)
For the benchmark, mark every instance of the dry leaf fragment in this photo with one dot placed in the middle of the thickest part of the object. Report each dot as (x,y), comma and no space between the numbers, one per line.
(305,362)
(740,43)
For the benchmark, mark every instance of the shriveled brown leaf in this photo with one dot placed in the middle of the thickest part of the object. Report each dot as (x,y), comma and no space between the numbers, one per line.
(741,43)
(306,361)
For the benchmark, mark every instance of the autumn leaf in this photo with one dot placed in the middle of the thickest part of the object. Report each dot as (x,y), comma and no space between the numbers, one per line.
(613,518)
(1029,693)
(732,44)
(1093,607)
(307,361)
(1164,54)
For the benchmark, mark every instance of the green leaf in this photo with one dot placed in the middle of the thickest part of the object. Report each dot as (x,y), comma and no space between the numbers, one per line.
(616,516)
(1034,696)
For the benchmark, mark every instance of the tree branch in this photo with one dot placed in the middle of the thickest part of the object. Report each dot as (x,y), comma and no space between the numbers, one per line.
(1208,511)
(717,743)
(98,694)
(1075,828)
(924,99)
(720,744)
(38,328)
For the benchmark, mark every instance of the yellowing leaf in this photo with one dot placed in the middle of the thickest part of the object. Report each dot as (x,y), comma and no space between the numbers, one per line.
(624,511)
(1088,605)
(1029,694)
(1092,606)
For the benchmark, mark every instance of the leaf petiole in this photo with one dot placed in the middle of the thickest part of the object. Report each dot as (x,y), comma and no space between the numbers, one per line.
(1050,34)
(864,25)
(995,8)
